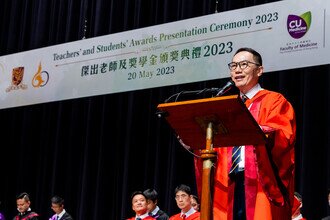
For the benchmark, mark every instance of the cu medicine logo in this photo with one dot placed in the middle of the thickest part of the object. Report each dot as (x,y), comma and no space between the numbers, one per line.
(299,25)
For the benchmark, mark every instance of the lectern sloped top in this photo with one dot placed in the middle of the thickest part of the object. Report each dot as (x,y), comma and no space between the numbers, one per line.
(233,125)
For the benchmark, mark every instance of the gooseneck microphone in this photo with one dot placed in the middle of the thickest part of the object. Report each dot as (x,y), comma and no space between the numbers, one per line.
(193,92)
(218,91)
(226,88)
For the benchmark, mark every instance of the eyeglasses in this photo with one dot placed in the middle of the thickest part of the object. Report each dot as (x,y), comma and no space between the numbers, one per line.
(182,196)
(242,64)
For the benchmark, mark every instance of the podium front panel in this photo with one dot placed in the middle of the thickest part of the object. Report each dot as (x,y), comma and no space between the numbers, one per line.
(233,125)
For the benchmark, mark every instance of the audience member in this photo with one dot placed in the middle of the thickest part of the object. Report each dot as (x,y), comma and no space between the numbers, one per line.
(140,207)
(23,206)
(153,209)
(57,205)
(183,200)
(296,208)
(195,202)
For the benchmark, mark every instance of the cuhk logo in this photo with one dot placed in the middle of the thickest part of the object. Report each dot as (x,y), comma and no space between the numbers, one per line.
(299,25)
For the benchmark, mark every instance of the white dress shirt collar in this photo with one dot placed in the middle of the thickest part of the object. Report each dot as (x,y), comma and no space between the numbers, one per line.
(142,216)
(252,92)
(154,212)
(61,214)
(190,212)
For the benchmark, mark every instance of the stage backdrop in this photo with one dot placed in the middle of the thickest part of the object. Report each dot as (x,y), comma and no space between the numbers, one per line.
(289,34)
(96,150)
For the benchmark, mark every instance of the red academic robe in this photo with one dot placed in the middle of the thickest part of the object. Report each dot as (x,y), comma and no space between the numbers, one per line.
(269,170)
(195,216)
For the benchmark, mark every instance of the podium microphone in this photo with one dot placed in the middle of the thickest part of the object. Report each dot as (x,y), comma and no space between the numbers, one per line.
(226,88)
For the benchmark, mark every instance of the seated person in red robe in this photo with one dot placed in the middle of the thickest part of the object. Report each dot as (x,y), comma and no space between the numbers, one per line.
(183,200)
(139,206)
(195,202)
(296,208)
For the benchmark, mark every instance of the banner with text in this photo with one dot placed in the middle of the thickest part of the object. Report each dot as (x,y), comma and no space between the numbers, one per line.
(288,34)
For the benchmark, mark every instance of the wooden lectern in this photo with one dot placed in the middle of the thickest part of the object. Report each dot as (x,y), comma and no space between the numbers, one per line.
(204,123)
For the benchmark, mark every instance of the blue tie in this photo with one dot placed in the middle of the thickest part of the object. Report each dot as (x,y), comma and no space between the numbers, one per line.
(235,159)
(244,98)
(236,153)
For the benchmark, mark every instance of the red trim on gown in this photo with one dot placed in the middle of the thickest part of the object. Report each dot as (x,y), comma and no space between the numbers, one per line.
(195,216)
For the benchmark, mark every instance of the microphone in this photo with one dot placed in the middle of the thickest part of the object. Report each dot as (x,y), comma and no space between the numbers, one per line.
(206,90)
(226,88)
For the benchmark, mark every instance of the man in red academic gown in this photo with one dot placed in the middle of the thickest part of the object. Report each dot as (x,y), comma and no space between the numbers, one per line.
(140,207)
(263,185)
(183,200)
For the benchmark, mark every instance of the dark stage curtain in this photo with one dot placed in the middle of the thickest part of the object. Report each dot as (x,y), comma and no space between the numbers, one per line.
(96,151)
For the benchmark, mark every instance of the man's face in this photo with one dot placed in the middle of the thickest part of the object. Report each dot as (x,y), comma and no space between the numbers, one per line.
(245,78)
(139,204)
(183,201)
(57,208)
(22,205)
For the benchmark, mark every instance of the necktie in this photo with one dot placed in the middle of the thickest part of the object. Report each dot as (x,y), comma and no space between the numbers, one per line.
(138,218)
(57,217)
(244,98)
(236,153)
(183,216)
(235,159)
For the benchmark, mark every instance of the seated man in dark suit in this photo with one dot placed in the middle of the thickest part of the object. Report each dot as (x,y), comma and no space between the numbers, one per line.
(153,209)
(58,208)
